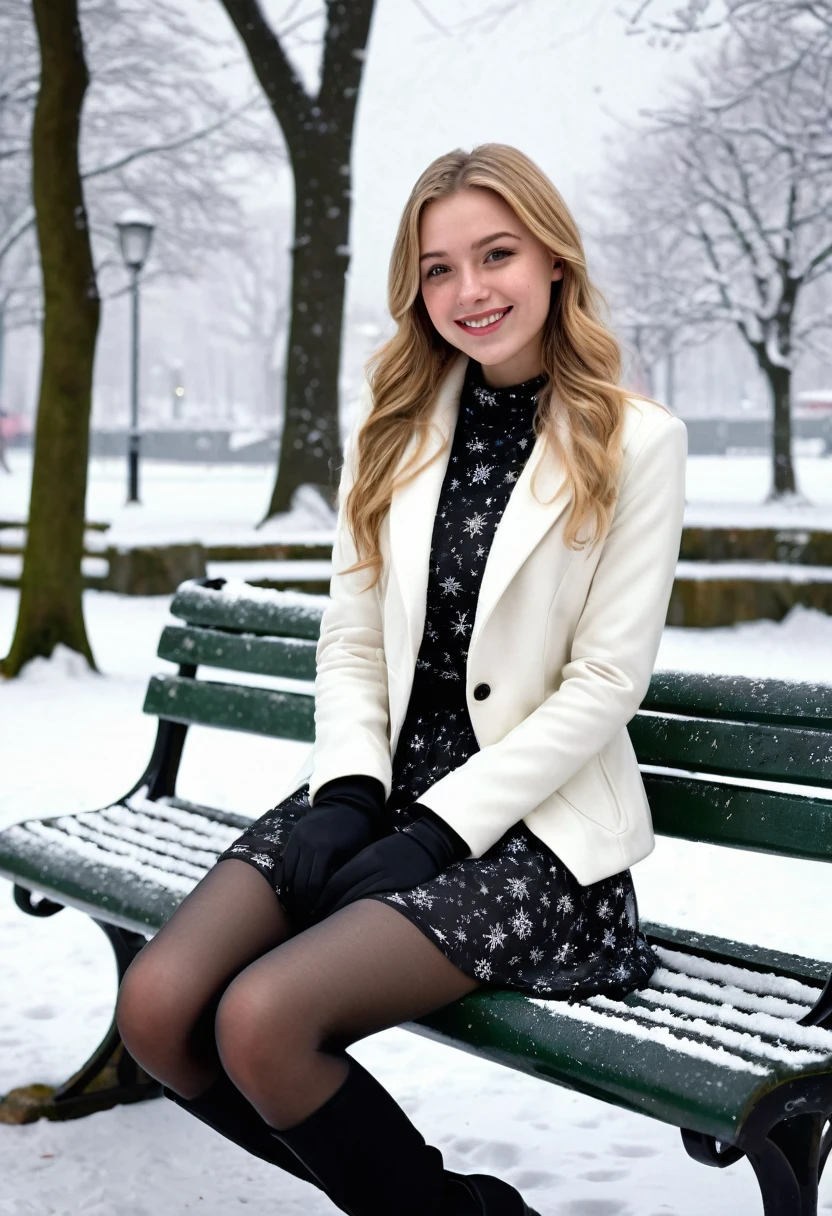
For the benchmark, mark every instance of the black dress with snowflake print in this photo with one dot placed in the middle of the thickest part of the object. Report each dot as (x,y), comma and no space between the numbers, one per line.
(515,917)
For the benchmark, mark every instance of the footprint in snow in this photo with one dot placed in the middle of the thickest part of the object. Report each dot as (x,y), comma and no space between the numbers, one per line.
(497,1152)
(532,1180)
(595,1207)
(604,1175)
(634,1150)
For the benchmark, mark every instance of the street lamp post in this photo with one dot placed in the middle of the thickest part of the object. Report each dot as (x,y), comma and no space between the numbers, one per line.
(135,230)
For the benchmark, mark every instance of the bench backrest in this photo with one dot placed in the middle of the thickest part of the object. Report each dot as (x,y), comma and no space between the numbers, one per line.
(726,760)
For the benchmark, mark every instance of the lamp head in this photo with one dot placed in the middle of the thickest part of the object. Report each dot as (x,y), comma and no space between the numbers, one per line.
(135,230)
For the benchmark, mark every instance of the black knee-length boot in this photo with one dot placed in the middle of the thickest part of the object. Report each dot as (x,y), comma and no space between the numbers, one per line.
(371,1160)
(228,1112)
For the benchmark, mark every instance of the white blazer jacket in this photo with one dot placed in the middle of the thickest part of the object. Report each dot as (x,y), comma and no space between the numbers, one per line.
(565,640)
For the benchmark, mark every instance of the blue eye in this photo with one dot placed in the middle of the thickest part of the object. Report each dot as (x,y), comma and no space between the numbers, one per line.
(439,266)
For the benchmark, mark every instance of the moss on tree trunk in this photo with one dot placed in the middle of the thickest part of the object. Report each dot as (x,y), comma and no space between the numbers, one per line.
(51,607)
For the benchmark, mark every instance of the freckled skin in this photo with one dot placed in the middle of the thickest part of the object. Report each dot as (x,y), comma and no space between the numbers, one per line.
(506,272)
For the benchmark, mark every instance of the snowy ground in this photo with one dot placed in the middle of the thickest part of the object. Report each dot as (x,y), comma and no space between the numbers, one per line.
(223,503)
(77,741)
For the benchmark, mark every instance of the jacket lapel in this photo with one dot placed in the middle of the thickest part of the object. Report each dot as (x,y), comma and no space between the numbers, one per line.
(413,509)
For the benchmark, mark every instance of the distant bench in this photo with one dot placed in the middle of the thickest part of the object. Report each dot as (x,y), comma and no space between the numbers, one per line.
(729,1042)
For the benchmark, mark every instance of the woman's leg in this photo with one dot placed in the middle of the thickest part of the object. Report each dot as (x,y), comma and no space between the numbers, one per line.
(168,998)
(283,1023)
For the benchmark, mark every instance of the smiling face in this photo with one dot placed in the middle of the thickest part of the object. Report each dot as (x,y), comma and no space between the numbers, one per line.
(479,264)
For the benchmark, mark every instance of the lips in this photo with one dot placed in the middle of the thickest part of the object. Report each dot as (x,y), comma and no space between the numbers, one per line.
(485,329)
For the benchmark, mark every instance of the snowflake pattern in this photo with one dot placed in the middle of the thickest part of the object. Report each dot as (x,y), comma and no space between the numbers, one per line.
(492,915)
(495,937)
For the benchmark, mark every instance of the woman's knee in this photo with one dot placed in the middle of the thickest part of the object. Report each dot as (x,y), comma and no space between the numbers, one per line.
(152,1018)
(264,1035)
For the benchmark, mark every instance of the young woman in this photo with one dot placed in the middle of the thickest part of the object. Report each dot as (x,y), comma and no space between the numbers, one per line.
(508,530)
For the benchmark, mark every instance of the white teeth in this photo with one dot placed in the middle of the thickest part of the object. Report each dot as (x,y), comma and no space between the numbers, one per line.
(495,316)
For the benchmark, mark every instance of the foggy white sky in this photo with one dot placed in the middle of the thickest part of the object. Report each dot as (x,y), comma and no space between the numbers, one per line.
(559,80)
(549,79)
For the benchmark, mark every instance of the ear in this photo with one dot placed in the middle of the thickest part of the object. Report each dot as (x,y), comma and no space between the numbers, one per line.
(557,269)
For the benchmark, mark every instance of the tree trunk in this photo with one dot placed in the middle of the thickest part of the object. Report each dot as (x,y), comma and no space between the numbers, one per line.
(318,133)
(310,448)
(51,607)
(783,479)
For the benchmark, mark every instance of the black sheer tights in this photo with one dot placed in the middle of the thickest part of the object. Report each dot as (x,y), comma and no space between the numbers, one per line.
(227,984)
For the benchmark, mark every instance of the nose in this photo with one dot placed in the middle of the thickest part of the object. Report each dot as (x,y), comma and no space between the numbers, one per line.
(471,288)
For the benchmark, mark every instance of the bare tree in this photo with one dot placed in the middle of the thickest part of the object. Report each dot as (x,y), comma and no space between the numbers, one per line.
(317,129)
(256,313)
(648,269)
(158,132)
(746,180)
(157,136)
(50,595)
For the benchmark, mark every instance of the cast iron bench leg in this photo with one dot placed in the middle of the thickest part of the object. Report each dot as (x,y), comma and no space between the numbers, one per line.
(787,1157)
(110,1077)
(788,1165)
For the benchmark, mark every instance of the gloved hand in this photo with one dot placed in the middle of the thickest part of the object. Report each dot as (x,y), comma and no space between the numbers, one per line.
(345,817)
(398,862)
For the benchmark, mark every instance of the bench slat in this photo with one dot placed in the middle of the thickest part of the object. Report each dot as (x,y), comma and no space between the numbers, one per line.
(766,821)
(716,696)
(272,613)
(259,711)
(608,1050)
(641,1053)
(711,745)
(290,658)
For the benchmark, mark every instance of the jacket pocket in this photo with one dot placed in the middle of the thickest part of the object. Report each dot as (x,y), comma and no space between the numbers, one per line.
(592,794)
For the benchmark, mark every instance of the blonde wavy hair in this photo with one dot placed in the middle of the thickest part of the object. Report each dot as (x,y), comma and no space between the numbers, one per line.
(580,355)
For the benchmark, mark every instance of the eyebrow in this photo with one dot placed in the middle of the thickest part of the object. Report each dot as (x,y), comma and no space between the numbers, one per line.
(486,240)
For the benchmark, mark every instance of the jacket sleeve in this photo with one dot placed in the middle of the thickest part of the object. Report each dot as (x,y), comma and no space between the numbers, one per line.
(351,706)
(611,660)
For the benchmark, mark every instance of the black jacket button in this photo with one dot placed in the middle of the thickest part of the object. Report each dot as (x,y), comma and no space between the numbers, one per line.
(481,692)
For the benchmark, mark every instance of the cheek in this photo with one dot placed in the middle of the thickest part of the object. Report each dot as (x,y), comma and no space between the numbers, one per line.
(436,308)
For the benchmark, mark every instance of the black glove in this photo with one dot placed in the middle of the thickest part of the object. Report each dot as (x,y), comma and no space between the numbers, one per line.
(397,862)
(346,816)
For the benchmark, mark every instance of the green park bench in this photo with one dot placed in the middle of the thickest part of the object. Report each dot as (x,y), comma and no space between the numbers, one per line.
(730,1042)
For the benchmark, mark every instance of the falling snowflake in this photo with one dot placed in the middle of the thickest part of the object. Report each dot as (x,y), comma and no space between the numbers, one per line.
(521,443)
(563,951)
(480,550)
(417,743)
(455,483)
(565,904)
(451,585)
(495,937)
(476,445)
(474,524)
(485,397)
(512,962)
(521,924)
(545,900)
(262,859)
(510,476)
(483,889)
(622,972)
(460,935)
(609,938)
(518,888)
(535,954)
(604,910)
(438,933)
(395,898)
(481,473)
(482,969)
